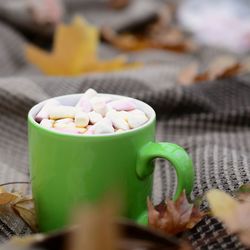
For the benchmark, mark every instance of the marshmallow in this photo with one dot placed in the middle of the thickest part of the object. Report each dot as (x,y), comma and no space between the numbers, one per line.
(64,121)
(43,113)
(124,115)
(136,112)
(90,130)
(107,121)
(94,117)
(81,130)
(64,125)
(81,119)
(111,113)
(117,120)
(59,112)
(123,104)
(84,104)
(100,107)
(46,123)
(119,130)
(93,114)
(103,127)
(90,93)
(136,120)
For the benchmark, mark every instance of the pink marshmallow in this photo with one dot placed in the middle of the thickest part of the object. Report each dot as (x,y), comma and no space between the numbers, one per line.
(90,130)
(122,105)
(84,104)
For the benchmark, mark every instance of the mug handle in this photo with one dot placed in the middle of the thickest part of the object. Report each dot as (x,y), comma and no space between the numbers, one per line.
(178,158)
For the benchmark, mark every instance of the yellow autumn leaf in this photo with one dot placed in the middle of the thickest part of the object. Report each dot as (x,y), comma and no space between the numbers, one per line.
(74,52)
(222,205)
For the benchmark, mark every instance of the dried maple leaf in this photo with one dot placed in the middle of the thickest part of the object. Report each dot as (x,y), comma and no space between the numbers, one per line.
(6,197)
(74,52)
(173,217)
(234,214)
(126,42)
(24,207)
(160,32)
(170,40)
(222,67)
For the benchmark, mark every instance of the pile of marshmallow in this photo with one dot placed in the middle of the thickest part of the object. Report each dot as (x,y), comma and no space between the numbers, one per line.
(93,114)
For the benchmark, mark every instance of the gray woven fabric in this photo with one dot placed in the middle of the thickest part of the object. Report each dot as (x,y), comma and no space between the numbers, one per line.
(210,120)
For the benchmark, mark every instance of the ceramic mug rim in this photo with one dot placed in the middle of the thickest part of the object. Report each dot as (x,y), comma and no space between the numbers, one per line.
(146,108)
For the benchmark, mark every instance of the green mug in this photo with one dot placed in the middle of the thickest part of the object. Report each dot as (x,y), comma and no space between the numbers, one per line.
(68,170)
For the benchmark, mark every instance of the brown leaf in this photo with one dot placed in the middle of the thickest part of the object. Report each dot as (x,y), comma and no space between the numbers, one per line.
(126,42)
(223,66)
(6,197)
(234,214)
(160,32)
(188,75)
(220,68)
(119,4)
(173,217)
(24,207)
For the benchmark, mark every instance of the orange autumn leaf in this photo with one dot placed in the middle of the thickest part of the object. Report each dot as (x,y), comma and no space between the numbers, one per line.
(173,217)
(74,52)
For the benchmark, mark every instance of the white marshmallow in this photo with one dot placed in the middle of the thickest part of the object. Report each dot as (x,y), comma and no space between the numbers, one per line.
(103,127)
(43,113)
(64,121)
(100,107)
(124,115)
(118,121)
(64,125)
(136,120)
(60,112)
(85,104)
(47,123)
(90,93)
(81,119)
(111,113)
(94,117)
(107,121)
(136,112)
